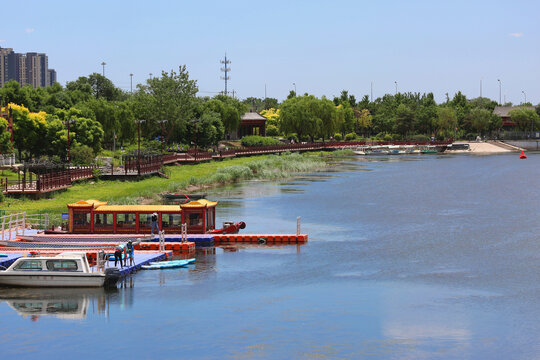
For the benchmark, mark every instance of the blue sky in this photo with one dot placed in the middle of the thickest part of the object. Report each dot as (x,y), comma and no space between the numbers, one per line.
(321,46)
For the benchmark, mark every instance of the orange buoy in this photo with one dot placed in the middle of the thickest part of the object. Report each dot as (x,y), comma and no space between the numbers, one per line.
(522,155)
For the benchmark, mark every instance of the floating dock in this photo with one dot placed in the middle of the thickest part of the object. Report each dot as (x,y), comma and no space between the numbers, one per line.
(261,238)
(141,258)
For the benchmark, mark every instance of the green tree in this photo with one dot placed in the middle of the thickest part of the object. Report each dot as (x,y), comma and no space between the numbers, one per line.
(526,119)
(480,120)
(5,137)
(97,86)
(169,97)
(327,113)
(299,115)
(446,122)
(404,119)
(363,121)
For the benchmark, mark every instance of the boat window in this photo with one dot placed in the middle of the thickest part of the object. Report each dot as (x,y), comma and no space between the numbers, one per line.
(81,219)
(28,265)
(195,220)
(61,265)
(145,221)
(103,220)
(171,220)
(28,307)
(125,220)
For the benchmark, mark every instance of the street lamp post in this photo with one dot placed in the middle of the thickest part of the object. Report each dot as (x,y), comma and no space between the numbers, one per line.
(139,146)
(500,91)
(69,122)
(161,122)
(131,82)
(294,84)
(103,64)
(396,86)
(525,95)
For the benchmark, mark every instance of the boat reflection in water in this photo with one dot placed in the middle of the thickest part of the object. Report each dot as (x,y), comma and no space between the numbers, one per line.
(62,303)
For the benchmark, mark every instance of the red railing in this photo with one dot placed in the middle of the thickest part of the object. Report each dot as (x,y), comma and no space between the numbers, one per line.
(83,172)
(52,181)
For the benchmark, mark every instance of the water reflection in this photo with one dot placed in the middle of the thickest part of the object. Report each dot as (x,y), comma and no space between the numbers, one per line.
(62,303)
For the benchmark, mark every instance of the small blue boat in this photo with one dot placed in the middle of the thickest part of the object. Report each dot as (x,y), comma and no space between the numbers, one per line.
(167,264)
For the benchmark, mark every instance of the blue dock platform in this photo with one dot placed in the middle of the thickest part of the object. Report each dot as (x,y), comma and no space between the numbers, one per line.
(141,258)
(5,262)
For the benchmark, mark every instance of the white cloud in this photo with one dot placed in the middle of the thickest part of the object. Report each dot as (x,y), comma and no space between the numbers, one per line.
(516,35)
(2,41)
(29,30)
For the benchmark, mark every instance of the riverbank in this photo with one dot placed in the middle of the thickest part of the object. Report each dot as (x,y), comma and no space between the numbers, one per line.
(186,178)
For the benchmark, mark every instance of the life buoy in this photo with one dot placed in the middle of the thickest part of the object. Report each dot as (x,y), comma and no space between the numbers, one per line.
(262,241)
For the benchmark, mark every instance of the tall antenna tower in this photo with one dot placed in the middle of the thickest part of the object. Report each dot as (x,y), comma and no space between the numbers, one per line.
(225,69)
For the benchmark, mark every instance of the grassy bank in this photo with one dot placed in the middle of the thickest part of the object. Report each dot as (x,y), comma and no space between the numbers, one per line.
(181,178)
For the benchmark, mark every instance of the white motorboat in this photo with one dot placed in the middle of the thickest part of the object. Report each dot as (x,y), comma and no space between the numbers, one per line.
(62,270)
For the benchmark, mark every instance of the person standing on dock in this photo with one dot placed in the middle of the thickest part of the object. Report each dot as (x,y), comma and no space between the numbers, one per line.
(155,223)
(129,254)
(118,255)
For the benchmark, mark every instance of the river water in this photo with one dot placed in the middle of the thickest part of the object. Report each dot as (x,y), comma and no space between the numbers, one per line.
(409,257)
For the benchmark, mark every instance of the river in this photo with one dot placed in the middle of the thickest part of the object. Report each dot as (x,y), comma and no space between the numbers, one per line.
(409,257)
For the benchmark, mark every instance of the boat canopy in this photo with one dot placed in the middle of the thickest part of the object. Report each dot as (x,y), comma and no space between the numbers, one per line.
(138,208)
(201,203)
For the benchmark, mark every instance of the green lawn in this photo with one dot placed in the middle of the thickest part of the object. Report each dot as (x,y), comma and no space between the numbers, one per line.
(180,178)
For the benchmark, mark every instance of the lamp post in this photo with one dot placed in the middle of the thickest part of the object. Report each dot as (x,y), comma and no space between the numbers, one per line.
(103,64)
(396,86)
(161,122)
(294,84)
(131,82)
(150,76)
(69,122)
(139,146)
(500,92)
(525,95)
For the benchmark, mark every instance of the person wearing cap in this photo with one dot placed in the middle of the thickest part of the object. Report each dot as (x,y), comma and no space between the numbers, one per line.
(155,223)
(129,253)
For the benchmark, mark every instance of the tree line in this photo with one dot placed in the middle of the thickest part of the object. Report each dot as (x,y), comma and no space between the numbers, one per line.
(100,115)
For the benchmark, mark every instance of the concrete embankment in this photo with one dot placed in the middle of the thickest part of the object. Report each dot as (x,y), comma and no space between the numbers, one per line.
(533,145)
(490,147)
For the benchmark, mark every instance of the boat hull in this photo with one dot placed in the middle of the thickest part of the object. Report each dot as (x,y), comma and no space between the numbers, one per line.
(35,279)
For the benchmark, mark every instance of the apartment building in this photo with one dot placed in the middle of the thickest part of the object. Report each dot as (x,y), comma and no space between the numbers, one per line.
(30,68)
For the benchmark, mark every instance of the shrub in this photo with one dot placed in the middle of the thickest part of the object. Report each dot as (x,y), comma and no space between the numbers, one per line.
(292,137)
(272,130)
(338,137)
(82,155)
(350,136)
(254,140)
(387,137)
(397,137)
(420,137)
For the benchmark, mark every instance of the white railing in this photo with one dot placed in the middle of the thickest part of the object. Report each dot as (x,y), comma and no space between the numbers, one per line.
(13,222)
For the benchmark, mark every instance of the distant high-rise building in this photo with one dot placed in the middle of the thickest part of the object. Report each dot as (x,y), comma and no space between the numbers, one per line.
(30,68)
(52,76)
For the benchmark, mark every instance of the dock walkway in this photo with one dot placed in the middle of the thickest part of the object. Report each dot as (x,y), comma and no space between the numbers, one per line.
(141,258)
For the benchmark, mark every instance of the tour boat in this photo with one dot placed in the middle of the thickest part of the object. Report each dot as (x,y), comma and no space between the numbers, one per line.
(62,270)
